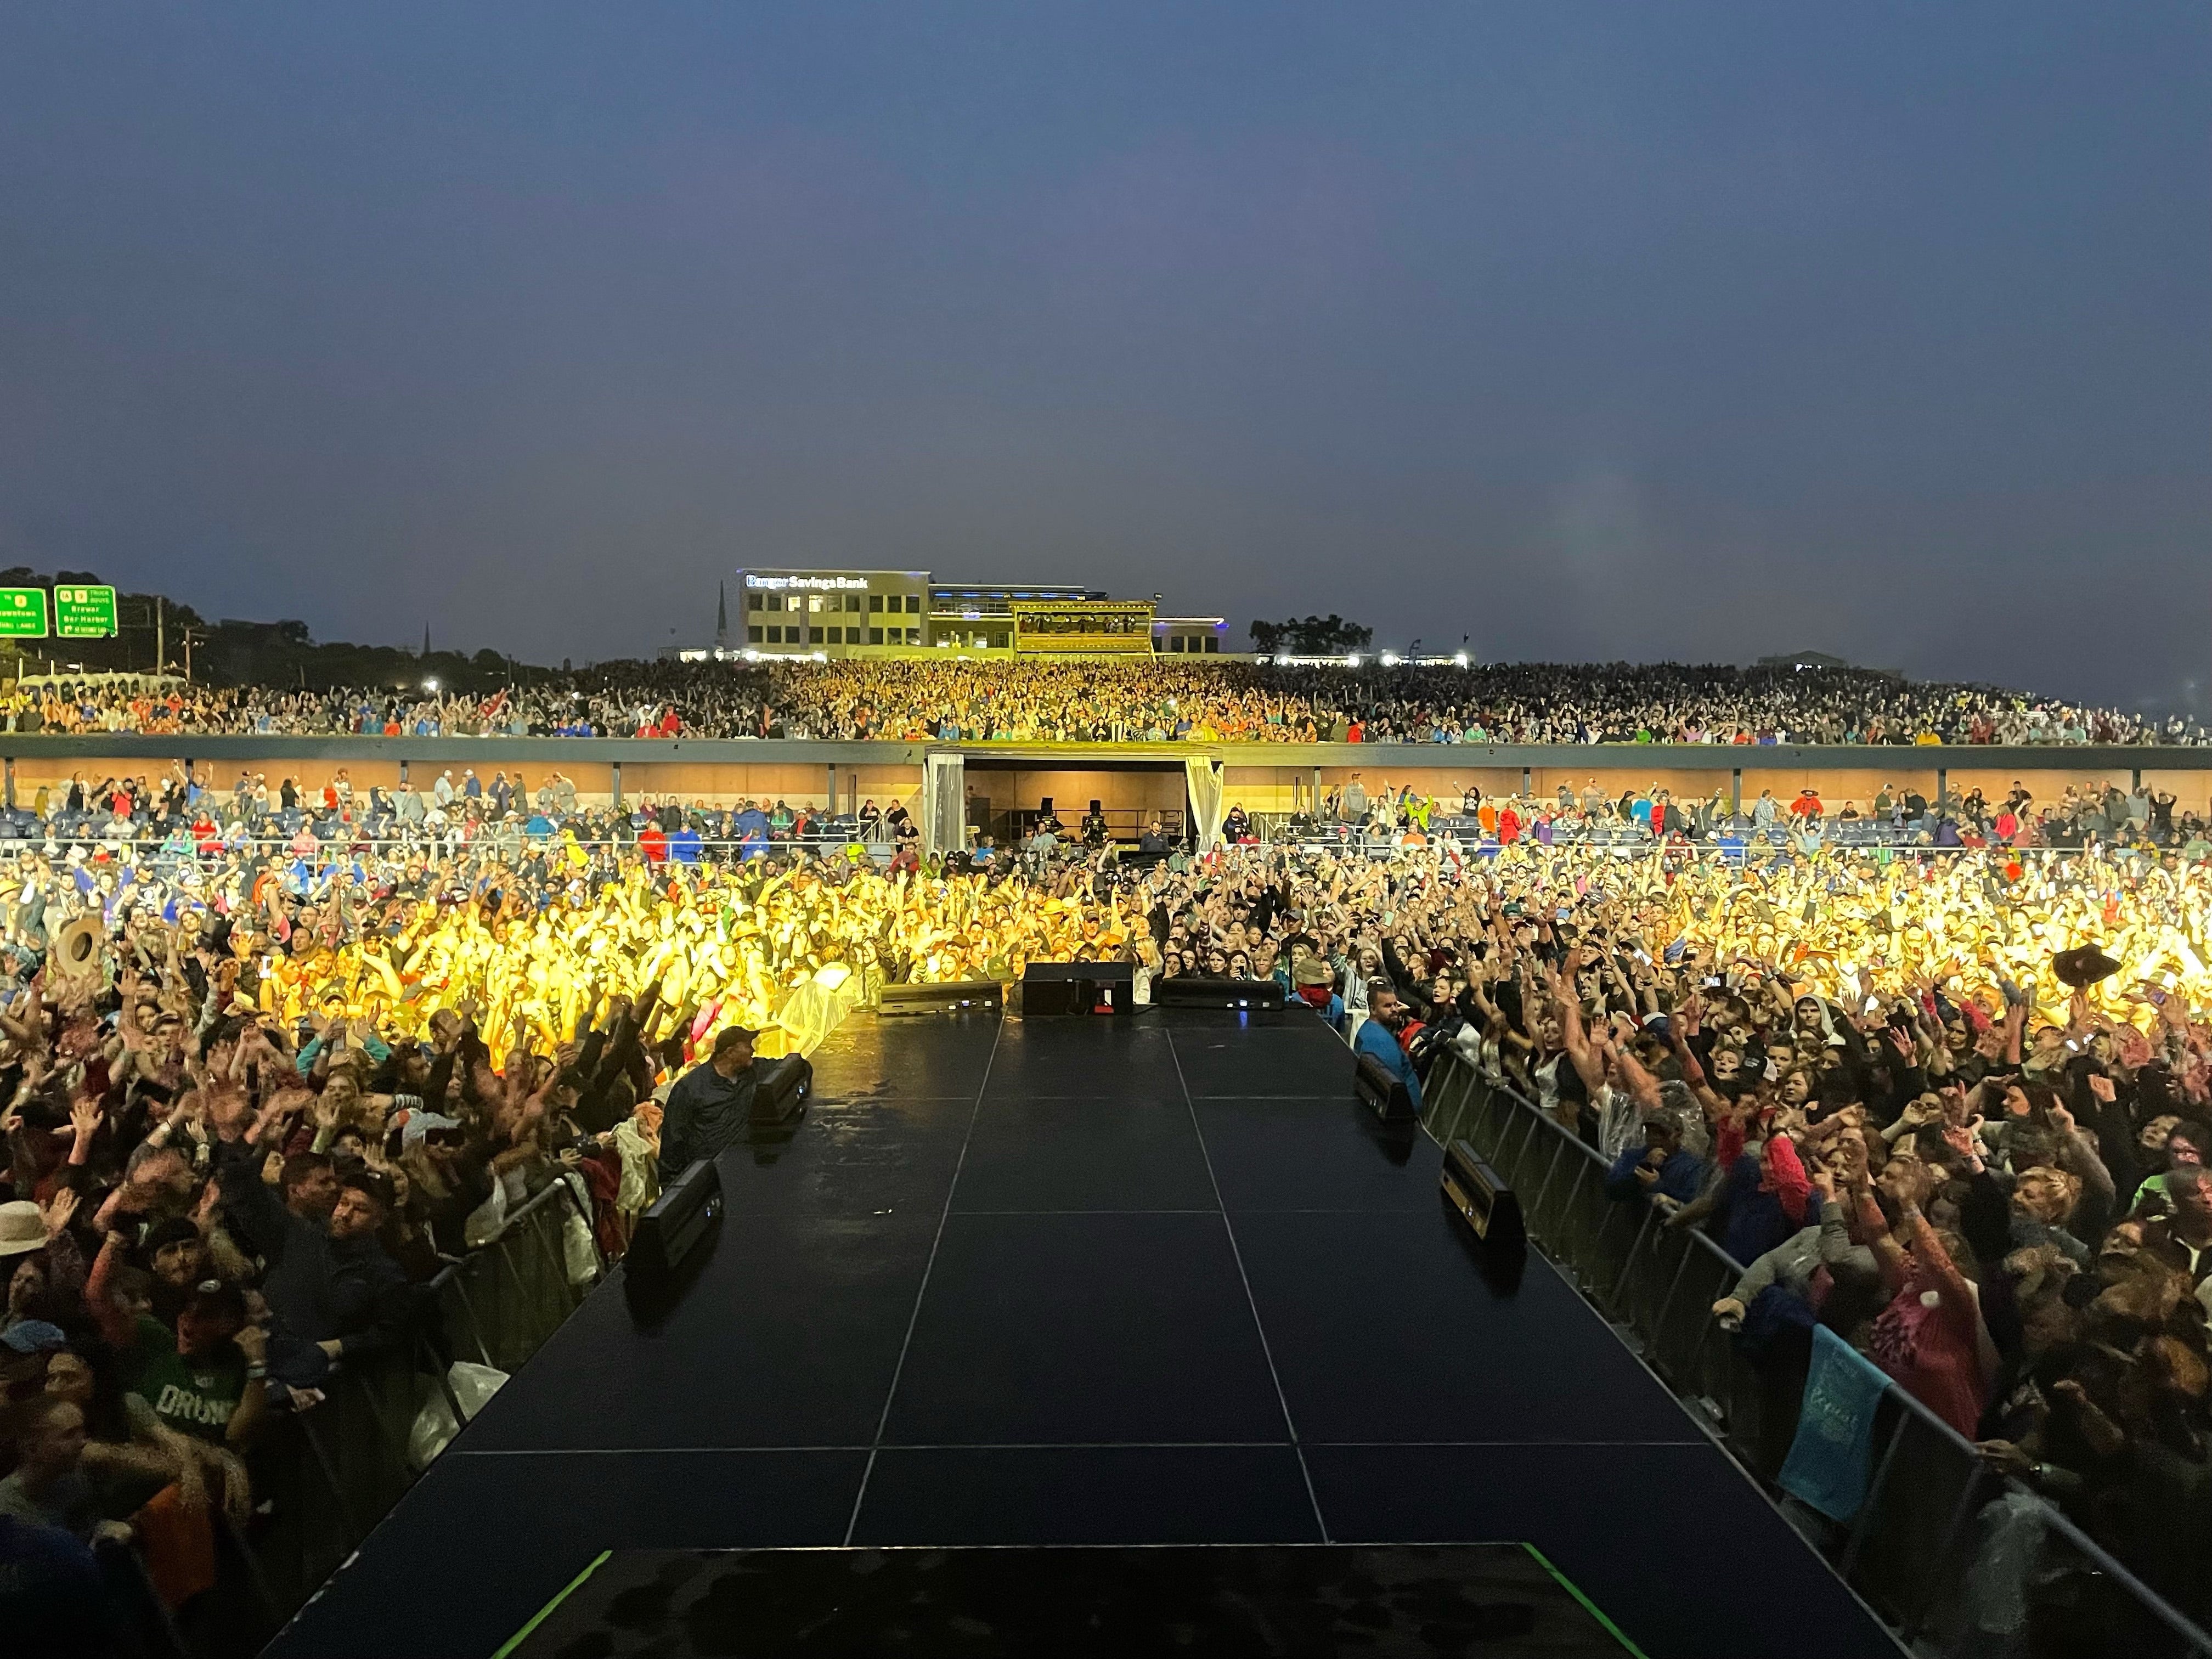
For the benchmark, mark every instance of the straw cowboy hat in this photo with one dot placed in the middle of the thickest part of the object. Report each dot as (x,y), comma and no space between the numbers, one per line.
(77,945)
(21,1228)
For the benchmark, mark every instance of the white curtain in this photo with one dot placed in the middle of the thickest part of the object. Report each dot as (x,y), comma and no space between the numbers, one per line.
(1204,777)
(944,802)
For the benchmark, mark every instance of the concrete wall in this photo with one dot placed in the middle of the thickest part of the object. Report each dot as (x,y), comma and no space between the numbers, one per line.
(1280,785)
(1283,789)
(689,782)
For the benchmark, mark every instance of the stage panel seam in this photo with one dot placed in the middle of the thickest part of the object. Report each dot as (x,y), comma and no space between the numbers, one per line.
(1258,1327)
(914,1319)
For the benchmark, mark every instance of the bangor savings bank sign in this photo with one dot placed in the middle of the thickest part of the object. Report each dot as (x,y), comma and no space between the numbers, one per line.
(815,584)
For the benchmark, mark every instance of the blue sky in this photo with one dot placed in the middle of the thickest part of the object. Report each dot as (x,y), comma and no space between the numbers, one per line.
(1587,331)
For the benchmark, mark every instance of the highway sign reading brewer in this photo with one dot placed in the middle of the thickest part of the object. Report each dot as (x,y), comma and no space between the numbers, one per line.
(22,613)
(84,613)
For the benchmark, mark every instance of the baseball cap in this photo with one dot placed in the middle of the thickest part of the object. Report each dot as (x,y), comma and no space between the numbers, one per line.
(32,1336)
(218,1297)
(730,1037)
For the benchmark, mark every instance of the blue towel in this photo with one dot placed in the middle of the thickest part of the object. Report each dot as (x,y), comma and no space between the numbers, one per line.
(1829,1462)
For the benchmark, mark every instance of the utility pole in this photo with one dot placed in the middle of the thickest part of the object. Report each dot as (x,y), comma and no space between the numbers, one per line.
(161,639)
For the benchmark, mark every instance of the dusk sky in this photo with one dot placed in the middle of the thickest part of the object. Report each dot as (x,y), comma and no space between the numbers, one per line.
(1590,331)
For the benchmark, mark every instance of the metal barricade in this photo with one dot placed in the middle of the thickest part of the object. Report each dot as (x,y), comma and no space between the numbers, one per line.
(327,1476)
(1951,1555)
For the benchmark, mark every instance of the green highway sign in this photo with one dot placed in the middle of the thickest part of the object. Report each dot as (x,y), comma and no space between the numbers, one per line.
(22,613)
(84,613)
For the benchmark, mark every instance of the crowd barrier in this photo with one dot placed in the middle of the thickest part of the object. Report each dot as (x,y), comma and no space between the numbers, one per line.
(1954,1558)
(324,1478)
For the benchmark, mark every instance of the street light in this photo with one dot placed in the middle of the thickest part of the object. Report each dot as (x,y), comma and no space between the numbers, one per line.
(430,685)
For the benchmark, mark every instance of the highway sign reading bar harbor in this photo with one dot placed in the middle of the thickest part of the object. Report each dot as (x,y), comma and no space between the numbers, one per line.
(84,613)
(22,613)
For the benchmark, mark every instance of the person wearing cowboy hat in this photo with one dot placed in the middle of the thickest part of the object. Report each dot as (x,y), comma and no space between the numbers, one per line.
(1312,984)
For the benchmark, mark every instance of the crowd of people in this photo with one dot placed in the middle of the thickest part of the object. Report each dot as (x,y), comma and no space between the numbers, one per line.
(1894,815)
(259,1089)
(1155,700)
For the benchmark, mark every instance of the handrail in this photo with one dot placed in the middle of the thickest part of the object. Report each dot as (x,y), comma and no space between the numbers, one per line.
(351,1457)
(2052,1518)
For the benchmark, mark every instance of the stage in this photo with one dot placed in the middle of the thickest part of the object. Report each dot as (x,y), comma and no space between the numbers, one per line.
(1088,1281)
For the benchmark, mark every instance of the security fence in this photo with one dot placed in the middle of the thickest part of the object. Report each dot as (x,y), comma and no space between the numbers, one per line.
(1954,1558)
(324,1478)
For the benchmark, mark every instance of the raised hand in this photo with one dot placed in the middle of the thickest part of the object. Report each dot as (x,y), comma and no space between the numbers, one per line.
(58,1211)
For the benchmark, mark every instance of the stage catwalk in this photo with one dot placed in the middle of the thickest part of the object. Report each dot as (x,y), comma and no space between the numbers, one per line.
(1156,1280)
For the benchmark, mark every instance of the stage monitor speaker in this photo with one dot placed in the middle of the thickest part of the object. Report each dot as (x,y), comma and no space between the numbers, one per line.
(1079,987)
(1478,1194)
(1191,990)
(780,1087)
(951,997)
(676,1223)
(1384,1091)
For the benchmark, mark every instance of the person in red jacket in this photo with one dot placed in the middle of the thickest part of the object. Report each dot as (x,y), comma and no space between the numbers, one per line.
(653,841)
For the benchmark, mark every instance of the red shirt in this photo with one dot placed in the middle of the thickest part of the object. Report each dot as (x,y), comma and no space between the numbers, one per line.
(653,841)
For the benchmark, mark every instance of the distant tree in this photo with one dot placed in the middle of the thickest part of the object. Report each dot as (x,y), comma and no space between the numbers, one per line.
(1311,636)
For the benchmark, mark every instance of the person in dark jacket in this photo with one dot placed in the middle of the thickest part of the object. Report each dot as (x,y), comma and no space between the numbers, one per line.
(710,1104)
(333,1293)
(1662,1166)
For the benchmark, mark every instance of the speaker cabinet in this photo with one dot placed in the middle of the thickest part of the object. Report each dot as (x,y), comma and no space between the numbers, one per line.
(1384,1091)
(1475,1191)
(1190,991)
(676,1223)
(953,997)
(1079,987)
(780,1087)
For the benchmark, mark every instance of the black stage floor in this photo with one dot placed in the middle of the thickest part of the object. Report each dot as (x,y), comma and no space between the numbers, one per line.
(1155,1281)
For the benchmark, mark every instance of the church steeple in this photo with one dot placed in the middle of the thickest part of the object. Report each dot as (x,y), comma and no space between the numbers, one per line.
(722,616)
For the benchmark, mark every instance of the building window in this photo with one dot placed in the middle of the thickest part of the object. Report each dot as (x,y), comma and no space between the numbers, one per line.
(775,634)
(875,636)
(875,601)
(1000,641)
(913,603)
(851,602)
(914,637)
(752,601)
(1213,643)
(753,634)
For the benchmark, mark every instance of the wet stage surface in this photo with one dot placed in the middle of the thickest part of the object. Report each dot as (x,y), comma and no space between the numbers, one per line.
(1089,1281)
